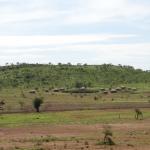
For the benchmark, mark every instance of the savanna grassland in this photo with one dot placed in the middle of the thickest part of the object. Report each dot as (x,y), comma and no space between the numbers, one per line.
(79,101)
(74,130)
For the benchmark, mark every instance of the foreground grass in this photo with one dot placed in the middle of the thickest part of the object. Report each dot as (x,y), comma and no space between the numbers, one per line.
(70,117)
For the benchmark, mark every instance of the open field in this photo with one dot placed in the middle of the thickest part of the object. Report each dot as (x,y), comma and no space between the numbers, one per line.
(74,75)
(20,100)
(81,127)
(70,117)
(74,130)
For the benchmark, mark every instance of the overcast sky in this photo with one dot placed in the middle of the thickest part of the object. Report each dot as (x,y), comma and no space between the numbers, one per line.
(76,31)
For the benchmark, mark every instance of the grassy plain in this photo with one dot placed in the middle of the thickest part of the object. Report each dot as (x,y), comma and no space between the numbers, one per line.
(73,130)
(19,99)
(76,129)
(70,117)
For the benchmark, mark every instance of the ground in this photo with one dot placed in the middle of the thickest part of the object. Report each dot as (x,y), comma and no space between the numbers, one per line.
(21,100)
(74,121)
(82,132)
(71,137)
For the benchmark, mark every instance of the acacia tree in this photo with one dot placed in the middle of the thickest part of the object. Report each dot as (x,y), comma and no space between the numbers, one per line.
(37,102)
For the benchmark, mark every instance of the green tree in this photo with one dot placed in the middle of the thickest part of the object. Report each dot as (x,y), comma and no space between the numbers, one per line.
(37,102)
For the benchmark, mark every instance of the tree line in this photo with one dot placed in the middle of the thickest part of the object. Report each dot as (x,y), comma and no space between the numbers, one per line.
(68,75)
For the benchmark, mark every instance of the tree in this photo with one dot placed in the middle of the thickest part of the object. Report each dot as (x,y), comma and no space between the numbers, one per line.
(79,84)
(2,103)
(37,102)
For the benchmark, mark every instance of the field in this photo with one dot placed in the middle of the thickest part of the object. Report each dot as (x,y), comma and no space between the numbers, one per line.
(20,100)
(74,130)
(74,75)
(74,121)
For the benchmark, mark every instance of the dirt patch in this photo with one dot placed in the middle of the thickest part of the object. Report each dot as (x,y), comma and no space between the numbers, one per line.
(127,136)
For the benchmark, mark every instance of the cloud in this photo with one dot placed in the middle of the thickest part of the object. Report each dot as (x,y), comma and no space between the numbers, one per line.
(79,12)
(27,11)
(128,54)
(88,30)
(56,40)
(94,11)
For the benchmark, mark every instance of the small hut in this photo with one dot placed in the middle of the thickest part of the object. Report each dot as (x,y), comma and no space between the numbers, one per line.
(113,91)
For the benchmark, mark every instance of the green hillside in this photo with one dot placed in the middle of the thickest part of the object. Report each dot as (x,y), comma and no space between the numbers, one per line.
(67,75)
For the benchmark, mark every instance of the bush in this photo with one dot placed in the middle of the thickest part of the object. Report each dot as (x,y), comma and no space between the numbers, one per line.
(108,136)
(37,102)
(95,98)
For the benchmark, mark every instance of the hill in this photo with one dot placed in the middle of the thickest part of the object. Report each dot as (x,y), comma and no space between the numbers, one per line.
(67,75)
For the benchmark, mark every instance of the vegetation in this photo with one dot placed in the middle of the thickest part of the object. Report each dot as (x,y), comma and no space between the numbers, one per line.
(108,136)
(82,89)
(37,103)
(2,103)
(68,76)
(85,117)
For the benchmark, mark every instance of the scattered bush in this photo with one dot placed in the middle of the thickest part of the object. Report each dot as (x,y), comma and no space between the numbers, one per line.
(37,103)
(95,98)
(108,136)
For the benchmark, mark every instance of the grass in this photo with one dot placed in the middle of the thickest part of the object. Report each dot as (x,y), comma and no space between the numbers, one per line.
(69,117)
(14,98)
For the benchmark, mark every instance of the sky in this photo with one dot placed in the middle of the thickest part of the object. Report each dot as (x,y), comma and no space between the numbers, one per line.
(76,31)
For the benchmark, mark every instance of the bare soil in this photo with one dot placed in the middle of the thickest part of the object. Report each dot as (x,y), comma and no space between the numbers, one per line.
(127,136)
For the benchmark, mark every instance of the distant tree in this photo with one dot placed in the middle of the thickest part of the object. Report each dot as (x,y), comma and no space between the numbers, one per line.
(79,84)
(17,63)
(59,64)
(95,98)
(89,84)
(79,64)
(2,103)
(37,102)
(69,64)
(32,75)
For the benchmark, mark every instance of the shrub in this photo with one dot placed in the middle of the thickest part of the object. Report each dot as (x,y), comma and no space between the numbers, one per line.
(95,98)
(37,102)
(108,136)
